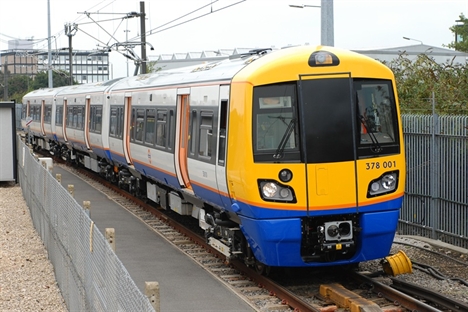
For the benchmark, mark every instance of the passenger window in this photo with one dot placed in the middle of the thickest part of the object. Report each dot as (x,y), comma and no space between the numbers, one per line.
(47,116)
(97,119)
(113,122)
(161,128)
(120,123)
(139,126)
(171,130)
(70,117)
(206,134)
(222,133)
(193,131)
(59,115)
(149,127)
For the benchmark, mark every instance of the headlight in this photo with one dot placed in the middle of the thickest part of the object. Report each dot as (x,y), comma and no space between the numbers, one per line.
(269,189)
(386,183)
(274,191)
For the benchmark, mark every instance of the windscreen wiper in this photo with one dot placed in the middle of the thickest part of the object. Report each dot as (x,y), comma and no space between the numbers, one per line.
(376,148)
(280,150)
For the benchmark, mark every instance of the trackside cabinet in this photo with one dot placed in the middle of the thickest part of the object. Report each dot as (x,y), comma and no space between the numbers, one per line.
(8,142)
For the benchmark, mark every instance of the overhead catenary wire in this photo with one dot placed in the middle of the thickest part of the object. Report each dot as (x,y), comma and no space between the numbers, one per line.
(155,30)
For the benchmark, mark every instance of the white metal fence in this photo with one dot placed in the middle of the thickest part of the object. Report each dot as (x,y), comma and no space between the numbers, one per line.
(436,199)
(89,274)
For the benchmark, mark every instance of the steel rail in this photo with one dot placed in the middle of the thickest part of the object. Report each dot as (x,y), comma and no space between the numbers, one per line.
(431,296)
(394,295)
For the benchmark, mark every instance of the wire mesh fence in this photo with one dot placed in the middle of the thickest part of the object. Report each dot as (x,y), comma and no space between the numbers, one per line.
(88,272)
(436,199)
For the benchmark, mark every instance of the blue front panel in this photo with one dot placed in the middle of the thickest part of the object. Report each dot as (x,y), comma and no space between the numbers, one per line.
(277,242)
(257,212)
(378,232)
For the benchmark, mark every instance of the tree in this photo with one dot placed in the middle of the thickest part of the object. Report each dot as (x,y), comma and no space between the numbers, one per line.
(418,80)
(17,86)
(59,78)
(460,31)
(152,68)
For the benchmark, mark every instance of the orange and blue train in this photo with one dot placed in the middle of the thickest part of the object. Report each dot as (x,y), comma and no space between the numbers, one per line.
(287,158)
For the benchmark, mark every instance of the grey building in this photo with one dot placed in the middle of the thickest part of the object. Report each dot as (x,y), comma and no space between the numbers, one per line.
(88,66)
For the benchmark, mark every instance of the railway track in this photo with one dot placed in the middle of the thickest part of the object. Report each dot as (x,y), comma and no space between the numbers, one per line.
(342,289)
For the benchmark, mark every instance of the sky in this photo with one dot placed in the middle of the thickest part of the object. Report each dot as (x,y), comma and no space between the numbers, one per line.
(181,26)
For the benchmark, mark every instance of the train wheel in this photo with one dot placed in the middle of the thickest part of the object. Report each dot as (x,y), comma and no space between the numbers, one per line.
(262,269)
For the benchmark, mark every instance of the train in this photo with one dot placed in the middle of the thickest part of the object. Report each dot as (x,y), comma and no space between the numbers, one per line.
(287,158)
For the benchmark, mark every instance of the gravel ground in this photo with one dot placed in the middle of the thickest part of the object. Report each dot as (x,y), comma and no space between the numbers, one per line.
(449,262)
(27,281)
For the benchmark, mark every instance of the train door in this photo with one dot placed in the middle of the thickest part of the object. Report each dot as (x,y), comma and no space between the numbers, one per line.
(87,123)
(43,112)
(182,137)
(329,147)
(64,121)
(221,179)
(127,127)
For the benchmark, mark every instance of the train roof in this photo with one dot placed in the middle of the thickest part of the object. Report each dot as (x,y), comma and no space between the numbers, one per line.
(70,90)
(45,92)
(223,70)
(95,87)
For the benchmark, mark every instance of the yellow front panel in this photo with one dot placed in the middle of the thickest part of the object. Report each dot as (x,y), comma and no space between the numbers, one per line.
(331,185)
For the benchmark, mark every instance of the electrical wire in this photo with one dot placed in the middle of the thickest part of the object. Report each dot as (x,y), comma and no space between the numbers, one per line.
(153,31)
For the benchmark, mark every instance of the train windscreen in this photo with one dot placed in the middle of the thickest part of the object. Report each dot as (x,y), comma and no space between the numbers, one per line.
(341,119)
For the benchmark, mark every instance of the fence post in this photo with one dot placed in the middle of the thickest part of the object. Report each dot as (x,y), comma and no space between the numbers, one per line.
(435,163)
(71,190)
(87,207)
(47,163)
(152,292)
(110,237)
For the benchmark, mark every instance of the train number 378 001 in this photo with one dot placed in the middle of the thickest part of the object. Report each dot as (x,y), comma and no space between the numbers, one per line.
(378,165)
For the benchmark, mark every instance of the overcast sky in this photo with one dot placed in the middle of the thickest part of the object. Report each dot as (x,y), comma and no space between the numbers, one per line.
(358,24)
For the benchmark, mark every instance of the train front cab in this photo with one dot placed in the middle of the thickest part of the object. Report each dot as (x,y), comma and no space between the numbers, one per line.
(328,163)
